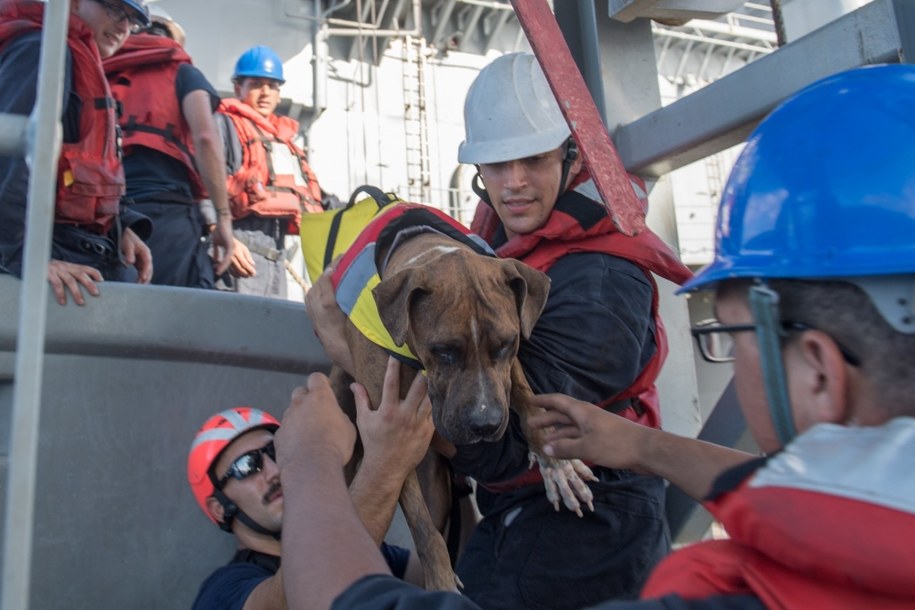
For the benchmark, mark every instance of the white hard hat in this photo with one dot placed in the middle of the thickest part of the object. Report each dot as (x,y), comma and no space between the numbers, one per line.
(510,113)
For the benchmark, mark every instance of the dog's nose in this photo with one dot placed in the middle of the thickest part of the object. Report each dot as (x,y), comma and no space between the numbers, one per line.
(485,421)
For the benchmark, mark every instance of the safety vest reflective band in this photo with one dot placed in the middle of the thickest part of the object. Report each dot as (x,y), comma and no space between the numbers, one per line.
(357,273)
(151,113)
(255,188)
(90,179)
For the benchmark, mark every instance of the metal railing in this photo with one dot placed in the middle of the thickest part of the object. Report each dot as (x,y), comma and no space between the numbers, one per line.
(43,137)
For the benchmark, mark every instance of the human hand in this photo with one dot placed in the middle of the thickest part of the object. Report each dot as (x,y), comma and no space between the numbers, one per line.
(314,427)
(242,261)
(137,254)
(396,436)
(329,321)
(587,432)
(223,244)
(68,277)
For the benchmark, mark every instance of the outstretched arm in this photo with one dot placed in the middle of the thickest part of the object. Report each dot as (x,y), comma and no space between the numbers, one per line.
(585,431)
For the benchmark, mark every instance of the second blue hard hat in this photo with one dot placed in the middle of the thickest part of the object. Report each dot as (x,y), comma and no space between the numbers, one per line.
(259,62)
(825,187)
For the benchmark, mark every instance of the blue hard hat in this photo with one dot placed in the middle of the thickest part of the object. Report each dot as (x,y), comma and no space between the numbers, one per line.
(825,187)
(259,62)
(140,7)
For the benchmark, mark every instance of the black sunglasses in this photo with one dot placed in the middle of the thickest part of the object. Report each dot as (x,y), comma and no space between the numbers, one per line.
(247,464)
(716,344)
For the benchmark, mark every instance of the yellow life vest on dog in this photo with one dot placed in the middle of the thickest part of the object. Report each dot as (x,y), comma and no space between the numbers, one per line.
(327,235)
(358,272)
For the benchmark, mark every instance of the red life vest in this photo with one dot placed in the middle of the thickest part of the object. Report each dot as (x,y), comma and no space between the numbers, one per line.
(151,114)
(90,178)
(827,523)
(255,188)
(578,223)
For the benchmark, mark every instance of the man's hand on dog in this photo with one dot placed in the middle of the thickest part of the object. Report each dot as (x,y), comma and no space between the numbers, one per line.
(397,434)
(328,320)
(314,427)
(577,429)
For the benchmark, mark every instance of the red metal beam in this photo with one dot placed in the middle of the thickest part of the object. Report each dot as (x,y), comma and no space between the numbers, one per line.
(579,110)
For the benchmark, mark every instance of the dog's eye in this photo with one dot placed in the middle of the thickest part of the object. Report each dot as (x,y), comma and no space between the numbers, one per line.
(445,354)
(505,350)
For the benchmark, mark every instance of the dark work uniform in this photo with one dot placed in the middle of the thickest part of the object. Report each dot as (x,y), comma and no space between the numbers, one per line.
(594,337)
(229,587)
(159,187)
(379,592)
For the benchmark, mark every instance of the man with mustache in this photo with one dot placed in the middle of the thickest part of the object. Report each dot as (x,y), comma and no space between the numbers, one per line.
(234,477)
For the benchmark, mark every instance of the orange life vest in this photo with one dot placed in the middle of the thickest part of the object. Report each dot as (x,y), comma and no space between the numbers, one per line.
(151,114)
(90,178)
(255,188)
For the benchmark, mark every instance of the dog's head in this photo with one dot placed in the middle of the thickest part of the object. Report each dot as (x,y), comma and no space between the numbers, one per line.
(463,315)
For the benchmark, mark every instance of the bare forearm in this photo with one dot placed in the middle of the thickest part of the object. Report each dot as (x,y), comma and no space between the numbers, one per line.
(690,464)
(212,168)
(324,542)
(209,152)
(374,492)
(577,429)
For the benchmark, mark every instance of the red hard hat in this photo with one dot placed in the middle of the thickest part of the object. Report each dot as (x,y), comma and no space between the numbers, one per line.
(212,439)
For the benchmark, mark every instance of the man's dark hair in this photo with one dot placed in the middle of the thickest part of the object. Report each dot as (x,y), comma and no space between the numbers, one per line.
(846,313)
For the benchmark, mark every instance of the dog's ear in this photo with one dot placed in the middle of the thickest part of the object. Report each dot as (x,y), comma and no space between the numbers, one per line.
(531,288)
(394,297)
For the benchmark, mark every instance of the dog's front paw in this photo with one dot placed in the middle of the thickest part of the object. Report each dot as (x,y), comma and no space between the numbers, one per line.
(565,480)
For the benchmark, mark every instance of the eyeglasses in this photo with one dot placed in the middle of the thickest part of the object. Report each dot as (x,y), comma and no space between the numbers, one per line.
(119,13)
(717,345)
(247,464)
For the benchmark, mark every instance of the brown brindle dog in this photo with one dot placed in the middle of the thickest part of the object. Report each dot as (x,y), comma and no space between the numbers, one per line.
(463,316)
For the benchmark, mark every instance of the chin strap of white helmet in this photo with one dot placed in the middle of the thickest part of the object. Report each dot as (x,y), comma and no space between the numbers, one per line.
(568,158)
(769,330)
(479,188)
